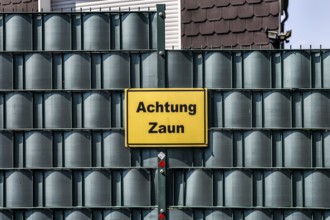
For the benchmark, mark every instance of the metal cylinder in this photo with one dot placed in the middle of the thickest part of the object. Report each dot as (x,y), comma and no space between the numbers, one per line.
(97,188)
(198,193)
(237,109)
(58,110)
(297,149)
(19,110)
(149,77)
(220,150)
(296,70)
(77,214)
(122,214)
(257,214)
(317,184)
(77,71)
(116,70)
(38,149)
(316,110)
(38,71)
(57,32)
(58,189)
(278,189)
(18,32)
(19,189)
(179,70)
(257,69)
(257,149)
(218,68)
(96,31)
(135,31)
(136,188)
(38,215)
(114,152)
(238,188)
(97,112)
(277,110)
(77,149)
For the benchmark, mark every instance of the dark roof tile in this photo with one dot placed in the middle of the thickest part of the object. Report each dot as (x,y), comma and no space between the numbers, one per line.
(191,29)
(199,15)
(5,2)
(207,3)
(221,27)
(222,3)
(245,39)
(271,22)
(228,40)
(206,28)
(254,24)
(237,26)
(214,14)
(183,4)
(245,11)
(262,10)
(213,41)
(265,46)
(27,1)
(16,1)
(228,23)
(186,16)
(237,2)
(198,42)
(274,8)
(260,38)
(253,1)
(186,42)
(191,4)
(229,12)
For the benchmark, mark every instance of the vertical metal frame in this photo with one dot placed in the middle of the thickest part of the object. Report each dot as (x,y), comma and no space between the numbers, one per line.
(161,203)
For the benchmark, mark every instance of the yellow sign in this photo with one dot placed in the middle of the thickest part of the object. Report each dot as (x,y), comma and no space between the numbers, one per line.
(166,117)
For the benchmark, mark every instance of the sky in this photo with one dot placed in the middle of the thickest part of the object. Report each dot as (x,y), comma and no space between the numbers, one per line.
(309,21)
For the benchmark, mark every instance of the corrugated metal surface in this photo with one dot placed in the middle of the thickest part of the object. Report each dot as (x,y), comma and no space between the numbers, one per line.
(172,21)
(78,31)
(62,153)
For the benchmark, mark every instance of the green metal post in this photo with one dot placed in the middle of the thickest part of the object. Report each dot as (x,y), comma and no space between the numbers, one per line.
(161,45)
(162,211)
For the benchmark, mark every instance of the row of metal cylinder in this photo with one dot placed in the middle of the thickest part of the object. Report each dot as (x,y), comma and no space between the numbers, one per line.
(174,214)
(247,214)
(213,69)
(191,188)
(186,214)
(98,109)
(61,110)
(77,31)
(227,149)
(241,188)
(80,214)
(91,188)
(248,69)
(271,109)
(78,71)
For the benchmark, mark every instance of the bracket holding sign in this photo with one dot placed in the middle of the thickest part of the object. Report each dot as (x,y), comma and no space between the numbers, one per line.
(166,118)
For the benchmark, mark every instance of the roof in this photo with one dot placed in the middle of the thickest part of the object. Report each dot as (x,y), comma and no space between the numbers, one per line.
(228,23)
(18,5)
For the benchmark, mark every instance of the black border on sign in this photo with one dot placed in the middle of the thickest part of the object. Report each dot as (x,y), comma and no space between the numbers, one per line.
(204,144)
